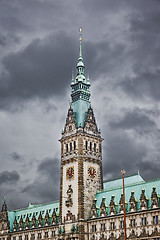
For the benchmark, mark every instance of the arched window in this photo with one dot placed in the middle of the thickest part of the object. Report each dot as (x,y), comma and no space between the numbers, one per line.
(74,145)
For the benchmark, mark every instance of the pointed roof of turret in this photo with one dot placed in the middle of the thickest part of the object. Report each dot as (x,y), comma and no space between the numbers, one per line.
(4,206)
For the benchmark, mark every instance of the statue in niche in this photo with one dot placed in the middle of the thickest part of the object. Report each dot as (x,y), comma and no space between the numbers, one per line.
(69,201)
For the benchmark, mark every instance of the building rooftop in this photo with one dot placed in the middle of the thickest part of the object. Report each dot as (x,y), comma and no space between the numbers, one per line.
(134,184)
(33,209)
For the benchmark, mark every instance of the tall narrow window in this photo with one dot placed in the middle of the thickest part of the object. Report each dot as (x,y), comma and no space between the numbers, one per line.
(95,147)
(93,228)
(46,234)
(122,224)
(112,225)
(74,145)
(32,236)
(66,147)
(39,236)
(144,221)
(70,146)
(155,219)
(90,146)
(103,227)
(86,145)
(133,222)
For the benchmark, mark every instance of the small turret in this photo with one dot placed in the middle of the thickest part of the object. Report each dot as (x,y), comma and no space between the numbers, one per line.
(4,222)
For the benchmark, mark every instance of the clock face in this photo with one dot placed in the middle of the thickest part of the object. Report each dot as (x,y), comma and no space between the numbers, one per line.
(91,172)
(70,173)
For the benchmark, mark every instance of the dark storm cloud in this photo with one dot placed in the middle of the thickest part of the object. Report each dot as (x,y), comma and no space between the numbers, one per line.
(46,184)
(122,152)
(43,68)
(135,120)
(143,85)
(24,16)
(144,53)
(40,70)
(103,58)
(9,177)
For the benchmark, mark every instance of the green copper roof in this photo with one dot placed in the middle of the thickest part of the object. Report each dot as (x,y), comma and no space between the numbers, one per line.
(114,188)
(80,92)
(33,209)
(118,182)
(80,109)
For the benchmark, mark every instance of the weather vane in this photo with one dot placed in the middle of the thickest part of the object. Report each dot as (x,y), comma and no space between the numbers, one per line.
(80,34)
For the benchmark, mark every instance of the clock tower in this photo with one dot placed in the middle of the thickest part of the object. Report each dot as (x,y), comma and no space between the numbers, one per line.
(81,154)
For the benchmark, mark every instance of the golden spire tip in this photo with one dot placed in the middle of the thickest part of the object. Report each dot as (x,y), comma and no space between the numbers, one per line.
(80,33)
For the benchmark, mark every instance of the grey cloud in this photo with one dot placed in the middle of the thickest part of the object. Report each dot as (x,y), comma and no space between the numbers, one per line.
(122,151)
(9,177)
(23,16)
(135,120)
(144,54)
(7,39)
(16,156)
(143,85)
(47,183)
(42,69)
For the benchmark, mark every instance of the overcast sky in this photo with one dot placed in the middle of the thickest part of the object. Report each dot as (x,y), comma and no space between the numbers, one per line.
(38,49)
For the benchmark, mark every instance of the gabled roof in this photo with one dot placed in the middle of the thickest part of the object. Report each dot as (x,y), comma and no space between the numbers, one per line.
(33,209)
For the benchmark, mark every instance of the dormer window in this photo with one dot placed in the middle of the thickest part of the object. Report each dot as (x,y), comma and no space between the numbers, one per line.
(70,128)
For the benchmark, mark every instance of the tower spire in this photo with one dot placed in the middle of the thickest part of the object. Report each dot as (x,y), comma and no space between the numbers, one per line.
(80,64)
(80,44)
(80,94)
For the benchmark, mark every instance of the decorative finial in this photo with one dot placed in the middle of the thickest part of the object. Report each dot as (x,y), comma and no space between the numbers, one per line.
(80,34)
(123,172)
